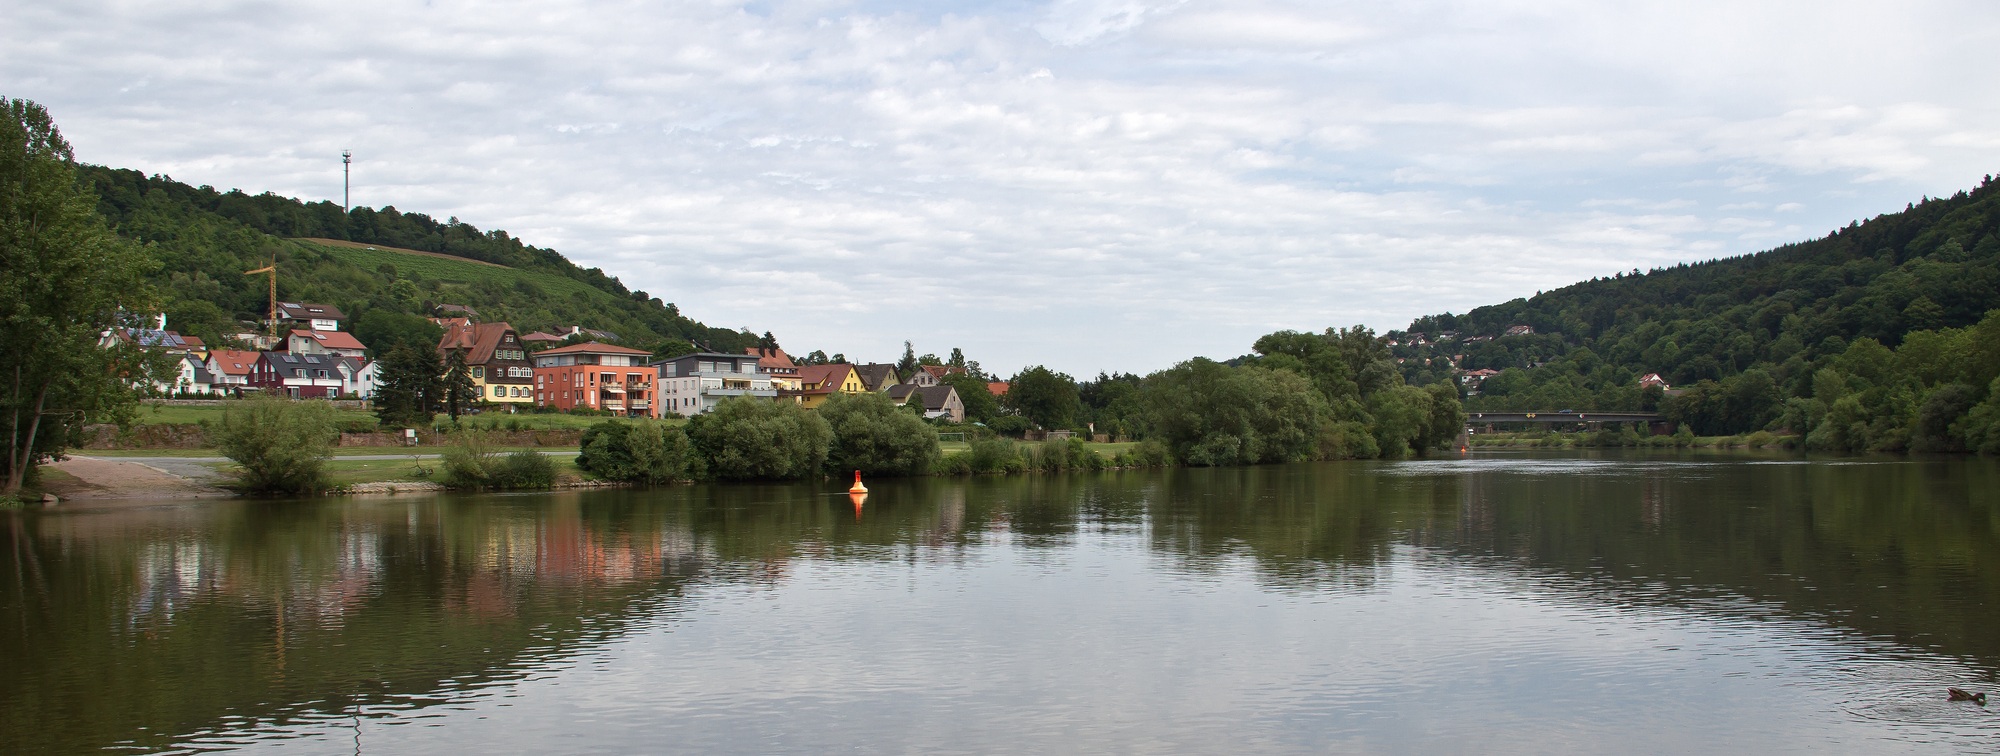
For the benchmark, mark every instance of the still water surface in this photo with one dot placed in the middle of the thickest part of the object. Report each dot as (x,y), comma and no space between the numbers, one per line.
(1490,604)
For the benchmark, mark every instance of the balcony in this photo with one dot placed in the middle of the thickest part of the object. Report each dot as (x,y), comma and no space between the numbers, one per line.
(768,393)
(614,405)
(639,404)
(615,388)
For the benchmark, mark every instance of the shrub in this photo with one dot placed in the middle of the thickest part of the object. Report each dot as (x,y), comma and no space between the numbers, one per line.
(281,445)
(1150,453)
(747,439)
(953,464)
(873,435)
(1010,425)
(995,455)
(471,462)
(524,469)
(643,453)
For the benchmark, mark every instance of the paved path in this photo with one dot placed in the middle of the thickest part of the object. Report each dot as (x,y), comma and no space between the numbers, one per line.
(205,462)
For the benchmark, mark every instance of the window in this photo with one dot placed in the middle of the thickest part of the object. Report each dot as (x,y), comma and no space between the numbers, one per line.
(500,391)
(479,372)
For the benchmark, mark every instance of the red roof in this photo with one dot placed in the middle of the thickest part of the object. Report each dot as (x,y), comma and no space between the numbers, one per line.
(331,339)
(480,340)
(771,358)
(821,376)
(997,388)
(592,347)
(233,361)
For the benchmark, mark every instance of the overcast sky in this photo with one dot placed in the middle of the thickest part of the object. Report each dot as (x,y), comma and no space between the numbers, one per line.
(1090,184)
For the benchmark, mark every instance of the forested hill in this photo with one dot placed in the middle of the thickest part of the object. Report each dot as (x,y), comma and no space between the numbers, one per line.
(1785,315)
(208,238)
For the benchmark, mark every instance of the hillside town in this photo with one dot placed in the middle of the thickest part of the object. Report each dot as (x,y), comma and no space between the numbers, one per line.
(306,355)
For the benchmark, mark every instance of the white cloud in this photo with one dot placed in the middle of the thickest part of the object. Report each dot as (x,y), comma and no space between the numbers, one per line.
(1094,184)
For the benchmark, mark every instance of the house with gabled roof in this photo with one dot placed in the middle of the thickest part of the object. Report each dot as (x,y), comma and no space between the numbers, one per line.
(779,366)
(817,383)
(877,376)
(497,360)
(938,401)
(312,317)
(299,376)
(325,342)
(932,375)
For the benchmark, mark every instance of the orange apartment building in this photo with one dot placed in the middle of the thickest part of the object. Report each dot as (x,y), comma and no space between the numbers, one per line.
(597,376)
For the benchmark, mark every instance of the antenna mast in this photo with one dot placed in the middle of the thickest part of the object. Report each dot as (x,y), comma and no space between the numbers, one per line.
(346,159)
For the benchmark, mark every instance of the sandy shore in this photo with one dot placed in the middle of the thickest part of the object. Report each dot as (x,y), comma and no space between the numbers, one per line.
(98,478)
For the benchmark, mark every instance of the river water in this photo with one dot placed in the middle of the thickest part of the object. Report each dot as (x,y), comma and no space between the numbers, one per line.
(1497,603)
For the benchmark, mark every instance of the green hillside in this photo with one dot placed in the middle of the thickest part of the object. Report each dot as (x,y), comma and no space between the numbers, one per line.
(206,238)
(1876,336)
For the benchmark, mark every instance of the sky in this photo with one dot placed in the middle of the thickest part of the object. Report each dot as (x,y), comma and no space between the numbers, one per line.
(1093,185)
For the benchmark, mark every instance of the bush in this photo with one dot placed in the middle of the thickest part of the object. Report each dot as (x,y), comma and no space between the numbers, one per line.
(1010,425)
(873,435)
(471,462)
(1149,453)
(747,439)
(995,455)
(642,453)
(524,469)
(953,464)
(281,445)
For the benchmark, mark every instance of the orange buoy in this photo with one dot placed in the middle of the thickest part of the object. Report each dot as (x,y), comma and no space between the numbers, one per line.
(858,488)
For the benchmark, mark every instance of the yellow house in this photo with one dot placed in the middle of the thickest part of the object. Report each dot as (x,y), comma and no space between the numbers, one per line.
(498,362)
(819,382)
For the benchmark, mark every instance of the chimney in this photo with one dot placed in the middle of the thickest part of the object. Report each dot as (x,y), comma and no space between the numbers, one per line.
(163,321)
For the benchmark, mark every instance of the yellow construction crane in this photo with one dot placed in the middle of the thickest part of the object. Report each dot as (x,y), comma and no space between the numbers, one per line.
(273,270)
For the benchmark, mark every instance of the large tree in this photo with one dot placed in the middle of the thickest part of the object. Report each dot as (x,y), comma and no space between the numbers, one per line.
(65,282)
(411,382)
(1044,396)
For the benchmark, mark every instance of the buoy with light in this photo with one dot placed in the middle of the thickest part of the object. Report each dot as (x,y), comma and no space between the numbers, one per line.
(858,488)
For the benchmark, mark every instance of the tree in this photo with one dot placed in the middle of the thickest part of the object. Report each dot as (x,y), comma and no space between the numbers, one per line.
(65,279)
(383,330)
(907,366)
(458,390)
(280,446)
(873,435)
(1208,413)
(744,438)
(767,341)
(407,394)
(980,406)
(1046,397)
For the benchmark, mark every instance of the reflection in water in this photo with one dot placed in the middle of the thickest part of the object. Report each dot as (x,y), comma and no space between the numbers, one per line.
(1268,608)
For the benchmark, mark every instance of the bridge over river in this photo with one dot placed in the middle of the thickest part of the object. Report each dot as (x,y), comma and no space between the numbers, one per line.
(1563,416)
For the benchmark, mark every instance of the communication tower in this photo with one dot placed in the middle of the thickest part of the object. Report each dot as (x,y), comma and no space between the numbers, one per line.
(346,159)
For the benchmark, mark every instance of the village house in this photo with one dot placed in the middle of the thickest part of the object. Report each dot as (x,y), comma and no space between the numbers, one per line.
(937,401)
(692,383)
(932,375)
(311,317)
(230,369)
(497,360)
(299,376)
(325,342)
(1650,380)
(1520,330)
(359,378)
(598,377)
(877,376)
(194,377)
(541,339)
(997,388)
(1472,379)
(817,383)
(779,366)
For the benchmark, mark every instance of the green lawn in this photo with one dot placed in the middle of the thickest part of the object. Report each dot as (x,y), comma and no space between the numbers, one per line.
(166,415)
